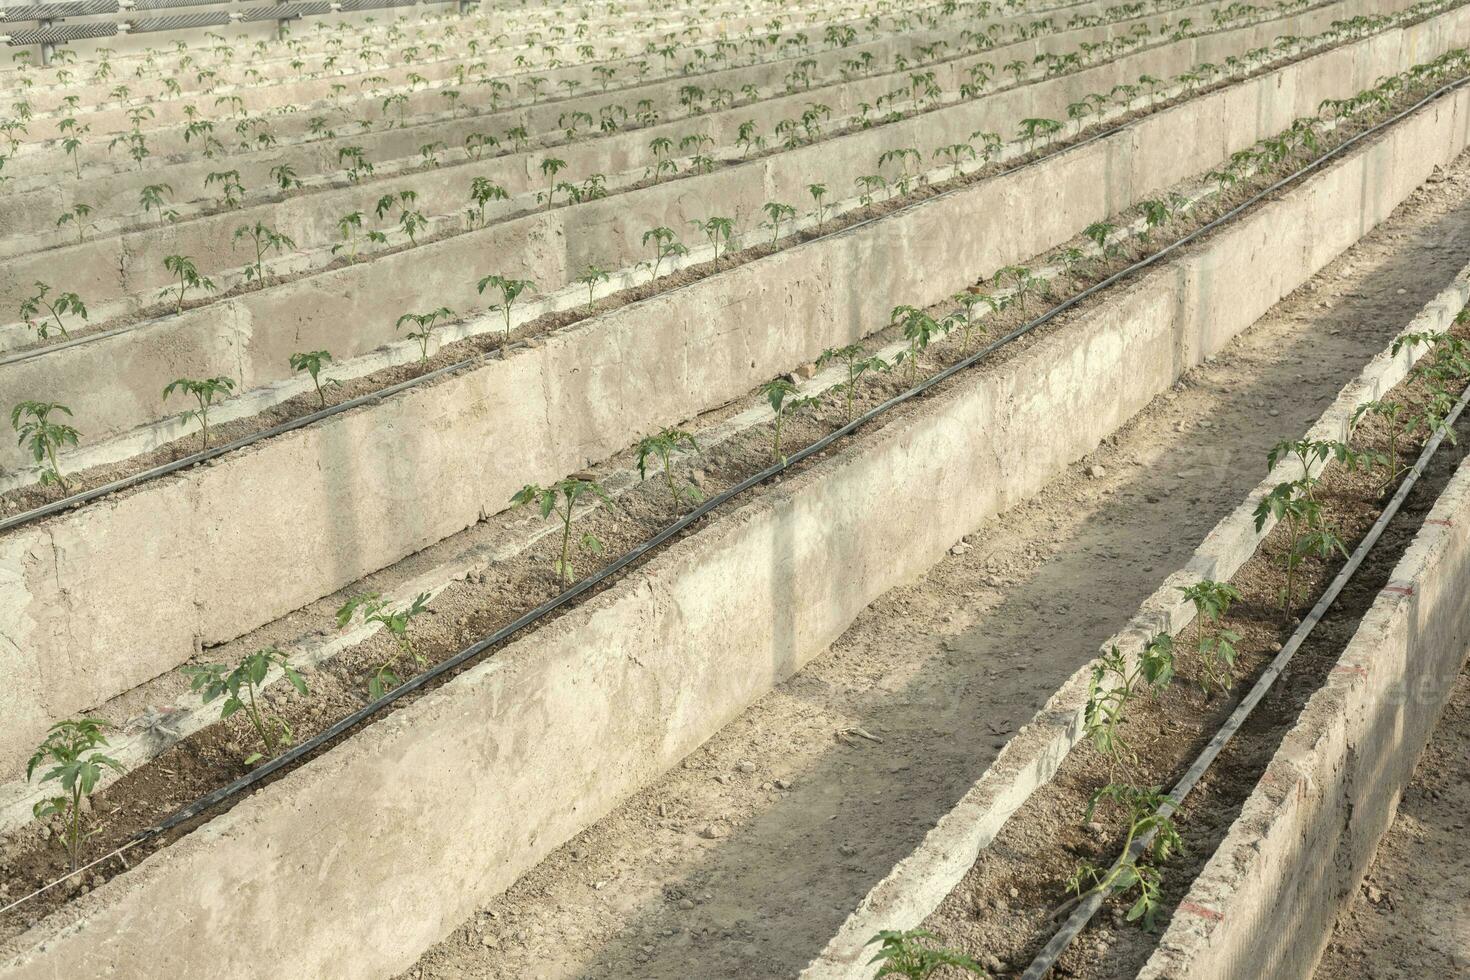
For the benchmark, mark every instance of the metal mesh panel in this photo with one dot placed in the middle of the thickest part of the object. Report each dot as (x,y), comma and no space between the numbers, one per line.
(61,33)
(179,22)
(55,11)
(374,4)
(168,4)
(287,10)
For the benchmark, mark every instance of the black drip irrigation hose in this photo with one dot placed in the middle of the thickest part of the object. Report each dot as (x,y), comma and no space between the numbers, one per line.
(300,751)
(1093,900)
(206,455)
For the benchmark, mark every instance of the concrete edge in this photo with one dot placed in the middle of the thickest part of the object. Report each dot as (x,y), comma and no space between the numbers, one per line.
(353,864)
(216,535)
(919,882)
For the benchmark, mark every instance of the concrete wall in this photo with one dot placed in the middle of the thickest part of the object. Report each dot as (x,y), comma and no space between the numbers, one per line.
(106,266)
(113,382)
(1265,904)
(370,486)
(592,706)
(921,881)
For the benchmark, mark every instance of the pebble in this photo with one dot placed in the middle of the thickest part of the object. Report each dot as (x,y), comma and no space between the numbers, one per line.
(1375,895)
(745,765)
(992,963)
(1096,470)
(712,831)
(782,783)
(489,942)
(960,549)
(686,904)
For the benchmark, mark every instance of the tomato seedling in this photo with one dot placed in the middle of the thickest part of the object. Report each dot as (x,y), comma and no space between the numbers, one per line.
(312,363)
(212,681)
(560,499)
(666,245)
(1215,643)
(189,278)
(858,361)
(510,291)
(73,750)
(265,239)
(1140,808)
(204,393)
(425,323)
(664,446)
(396,622)
(913,955)
(65,304)
(784,398)
(45,436)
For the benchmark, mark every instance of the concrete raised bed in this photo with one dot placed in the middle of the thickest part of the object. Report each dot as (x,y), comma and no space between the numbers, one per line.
(219,538)
(1265,904)
(919,882)
(113,381)
(107,266)
(589,708)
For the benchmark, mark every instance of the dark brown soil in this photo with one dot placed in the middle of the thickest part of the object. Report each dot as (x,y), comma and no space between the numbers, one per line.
(215,756)
(1002,911)
(467,354)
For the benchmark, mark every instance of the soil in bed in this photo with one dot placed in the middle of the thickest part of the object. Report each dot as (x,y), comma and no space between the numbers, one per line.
(471,352)
(468,611)
(1002,911)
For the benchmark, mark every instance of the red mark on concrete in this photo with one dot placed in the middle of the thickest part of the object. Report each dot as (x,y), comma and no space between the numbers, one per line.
(1350,669)
(1399,589)
(1201,911)
(1441,521)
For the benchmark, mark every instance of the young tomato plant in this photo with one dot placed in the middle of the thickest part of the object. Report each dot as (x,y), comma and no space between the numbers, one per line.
(784,399)
(482,192)
(425,323)
(312,363)
(858,361)
(1307,533)
(65,304)
(590,279)
(560,499)
(1140,807)
(776,211)
(204,393)
(1111,689)
(664,447)
(32,423)
(73,751)
(911,954)
(1215,643)
(718,231)
(189,278)
(666,245)
(919,329)
(510,291)
(1393,415)
(396,622)
(265,239)
(211,681)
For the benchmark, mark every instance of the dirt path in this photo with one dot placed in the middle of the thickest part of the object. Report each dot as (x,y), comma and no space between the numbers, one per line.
(744,861)
(1411,917)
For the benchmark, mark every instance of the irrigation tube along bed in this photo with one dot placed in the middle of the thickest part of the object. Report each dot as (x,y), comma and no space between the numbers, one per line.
(1090,905)
(419,681)
(206,455)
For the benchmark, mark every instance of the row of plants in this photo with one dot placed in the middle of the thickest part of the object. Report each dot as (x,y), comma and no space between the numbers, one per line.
(371,89)
(1306,547)
(904,164)
(40,427)
(255,132)
(77,744)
